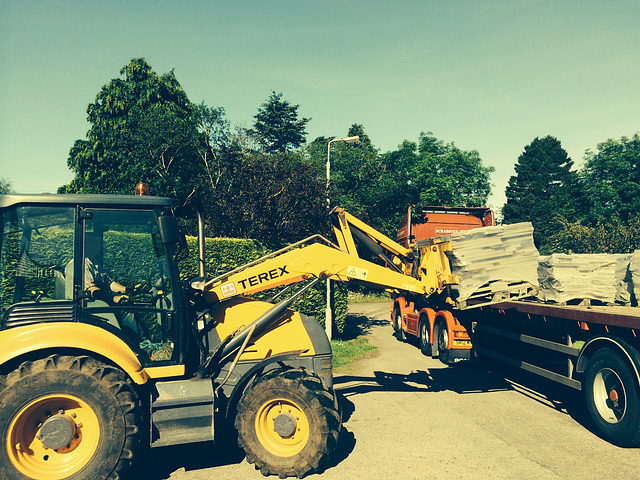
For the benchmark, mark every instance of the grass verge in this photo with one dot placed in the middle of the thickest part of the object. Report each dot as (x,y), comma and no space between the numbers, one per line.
(347,351)
(369,297)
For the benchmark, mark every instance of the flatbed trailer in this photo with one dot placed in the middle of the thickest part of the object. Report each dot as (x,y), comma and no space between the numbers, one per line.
(595,349)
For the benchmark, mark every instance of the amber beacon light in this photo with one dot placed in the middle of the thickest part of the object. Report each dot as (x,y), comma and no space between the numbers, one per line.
(142,189)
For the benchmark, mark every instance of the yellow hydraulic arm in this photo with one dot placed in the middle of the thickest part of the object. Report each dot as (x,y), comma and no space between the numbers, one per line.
(323,259)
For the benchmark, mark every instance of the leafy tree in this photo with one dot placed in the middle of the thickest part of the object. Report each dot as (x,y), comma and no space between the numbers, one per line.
(143,128)
(544,187)
(215,129)
(611,178)
(273,198)
(5,186)
(277,127)
(358,175)
(378,188)
(447,175)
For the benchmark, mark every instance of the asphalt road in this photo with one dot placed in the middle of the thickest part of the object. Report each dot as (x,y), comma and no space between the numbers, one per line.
(407,416)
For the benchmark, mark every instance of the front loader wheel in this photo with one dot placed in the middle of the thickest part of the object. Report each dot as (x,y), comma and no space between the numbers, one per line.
(65,417)
(287,423)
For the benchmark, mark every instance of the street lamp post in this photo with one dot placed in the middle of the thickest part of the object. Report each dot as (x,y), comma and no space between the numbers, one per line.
(328,323)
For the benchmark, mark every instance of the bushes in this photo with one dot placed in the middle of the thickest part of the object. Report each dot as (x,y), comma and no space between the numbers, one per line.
(613,236)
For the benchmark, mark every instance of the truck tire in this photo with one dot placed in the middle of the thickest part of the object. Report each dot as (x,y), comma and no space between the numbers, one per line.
(287,423)
(66,417)
(612,398)
(423,335)
(397,324)
(442,337)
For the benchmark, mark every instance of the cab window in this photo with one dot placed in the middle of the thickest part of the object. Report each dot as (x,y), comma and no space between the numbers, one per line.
(36,246)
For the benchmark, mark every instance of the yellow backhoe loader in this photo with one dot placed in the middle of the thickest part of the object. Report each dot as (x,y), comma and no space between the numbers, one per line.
(104,350)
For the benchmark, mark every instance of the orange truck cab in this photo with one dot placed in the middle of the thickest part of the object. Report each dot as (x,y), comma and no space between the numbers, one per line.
(428,222)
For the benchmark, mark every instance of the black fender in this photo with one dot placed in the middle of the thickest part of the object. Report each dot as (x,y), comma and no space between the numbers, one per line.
(628,353)
(283,360)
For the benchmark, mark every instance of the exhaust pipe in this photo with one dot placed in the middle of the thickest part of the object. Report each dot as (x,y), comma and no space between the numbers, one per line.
(201,264)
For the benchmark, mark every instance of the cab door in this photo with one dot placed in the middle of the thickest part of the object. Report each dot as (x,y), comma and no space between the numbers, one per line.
(125,282)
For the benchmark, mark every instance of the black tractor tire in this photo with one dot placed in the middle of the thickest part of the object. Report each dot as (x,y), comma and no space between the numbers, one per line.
(288,423)
(424,331)
(67,417)
(612,398)
(397,324)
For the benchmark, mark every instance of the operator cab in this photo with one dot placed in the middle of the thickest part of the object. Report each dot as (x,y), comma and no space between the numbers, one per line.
(104,260)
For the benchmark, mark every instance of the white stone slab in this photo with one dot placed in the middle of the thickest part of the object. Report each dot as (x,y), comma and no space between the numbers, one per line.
(501,255)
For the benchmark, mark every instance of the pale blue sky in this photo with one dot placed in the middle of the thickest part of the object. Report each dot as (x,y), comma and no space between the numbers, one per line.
(487,75)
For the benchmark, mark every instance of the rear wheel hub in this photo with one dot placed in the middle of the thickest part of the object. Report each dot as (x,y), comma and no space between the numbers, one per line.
(284,425)
(57,431)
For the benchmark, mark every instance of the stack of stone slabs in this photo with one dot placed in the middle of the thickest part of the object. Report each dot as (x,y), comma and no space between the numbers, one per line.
(494,263)
(565,278)
(624,282)
(584,277)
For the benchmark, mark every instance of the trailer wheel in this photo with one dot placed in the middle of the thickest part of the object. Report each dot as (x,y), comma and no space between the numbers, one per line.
(612,398)
(397,324)
(423,337)
(287,423)
(443,342)
(66,417)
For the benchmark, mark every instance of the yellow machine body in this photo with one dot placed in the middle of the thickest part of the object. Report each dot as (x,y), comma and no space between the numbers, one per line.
(92,339)
(286,335)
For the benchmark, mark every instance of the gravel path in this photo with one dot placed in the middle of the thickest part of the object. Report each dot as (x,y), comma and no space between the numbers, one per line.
(410,417)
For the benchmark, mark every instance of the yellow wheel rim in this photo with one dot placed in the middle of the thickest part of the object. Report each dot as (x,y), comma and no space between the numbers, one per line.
(29,433)
(282,427)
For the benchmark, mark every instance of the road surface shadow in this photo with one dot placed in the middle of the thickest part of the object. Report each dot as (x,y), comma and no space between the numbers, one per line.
(358,325)
(468,378)
(547,392)
(461,379)
(160,463)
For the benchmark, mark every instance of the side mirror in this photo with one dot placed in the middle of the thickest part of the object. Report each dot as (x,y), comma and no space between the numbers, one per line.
(169,231)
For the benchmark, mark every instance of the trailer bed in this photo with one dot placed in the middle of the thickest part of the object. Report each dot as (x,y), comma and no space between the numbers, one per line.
(616,316)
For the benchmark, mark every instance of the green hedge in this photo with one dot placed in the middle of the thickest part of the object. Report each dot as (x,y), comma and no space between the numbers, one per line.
(225,254)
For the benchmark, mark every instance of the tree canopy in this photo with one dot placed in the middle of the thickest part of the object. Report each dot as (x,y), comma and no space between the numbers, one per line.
(607,220)
(611,178)
(143,128)
(593,210)
(5,186)
(544,187)
(258,183)
(277,127)
(447,175)
(379,187)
